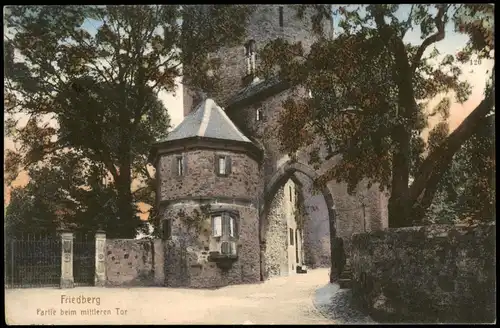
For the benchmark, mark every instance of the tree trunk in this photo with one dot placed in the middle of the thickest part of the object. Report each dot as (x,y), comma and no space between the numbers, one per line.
(127,219)
(334,270)
(398,202)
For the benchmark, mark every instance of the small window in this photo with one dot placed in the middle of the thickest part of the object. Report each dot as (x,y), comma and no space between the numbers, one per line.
(280,10)
(296,248)
(258,115)
(290,193)
(224,225)
(167,229)
(217,226)
(180,166)
(250,48)
(291,237)
(231,227)
(222,165)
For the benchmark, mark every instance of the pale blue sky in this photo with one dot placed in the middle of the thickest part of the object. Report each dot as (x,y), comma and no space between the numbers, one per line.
(452,44)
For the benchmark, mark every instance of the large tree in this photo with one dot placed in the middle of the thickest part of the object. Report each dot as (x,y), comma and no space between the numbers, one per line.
(63,191)
(466,192)
(369,96)
(96,71)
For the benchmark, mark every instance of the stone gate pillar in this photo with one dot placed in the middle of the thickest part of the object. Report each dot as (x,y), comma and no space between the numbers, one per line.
(67,280)
(100,267)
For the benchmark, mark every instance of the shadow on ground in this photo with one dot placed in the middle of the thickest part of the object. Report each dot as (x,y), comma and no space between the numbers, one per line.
(335,304)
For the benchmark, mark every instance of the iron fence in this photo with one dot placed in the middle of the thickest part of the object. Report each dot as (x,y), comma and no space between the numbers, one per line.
(32,261)
(84,260)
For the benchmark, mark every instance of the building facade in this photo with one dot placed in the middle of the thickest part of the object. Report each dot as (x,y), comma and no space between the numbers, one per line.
(281,222)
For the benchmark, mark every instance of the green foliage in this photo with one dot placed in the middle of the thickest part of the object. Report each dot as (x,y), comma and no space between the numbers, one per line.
(467,190)
(96,72)
(65,192)
(197,218)
(370,92)
(300,215)
(28,214)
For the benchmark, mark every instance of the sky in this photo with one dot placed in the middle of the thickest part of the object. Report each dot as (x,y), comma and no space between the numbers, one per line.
(475,74)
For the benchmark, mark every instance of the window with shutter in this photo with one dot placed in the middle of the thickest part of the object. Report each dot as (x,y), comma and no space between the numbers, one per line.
(167,229)
(225,225)
(296,248)
(179,166)
(233,248)
(250,49)
(217,226)
(228,165)
(226,248)
(222,165)
(231,226)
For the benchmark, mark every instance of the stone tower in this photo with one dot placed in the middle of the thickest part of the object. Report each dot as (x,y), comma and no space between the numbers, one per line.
(208,174)
(254,105)
(267,23)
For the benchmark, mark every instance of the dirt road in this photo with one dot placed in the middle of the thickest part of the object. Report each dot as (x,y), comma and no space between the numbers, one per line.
(284,300)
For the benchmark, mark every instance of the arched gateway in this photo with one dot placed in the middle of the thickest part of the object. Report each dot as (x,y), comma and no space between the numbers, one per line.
(286,172)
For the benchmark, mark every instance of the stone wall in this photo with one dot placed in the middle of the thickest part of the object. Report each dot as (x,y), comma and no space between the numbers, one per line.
(275,255)
(131,262)
(435,273)
(200,179)
(187,251)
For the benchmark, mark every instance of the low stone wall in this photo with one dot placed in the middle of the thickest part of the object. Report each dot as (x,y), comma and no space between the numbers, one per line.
(131,262)
(437,273)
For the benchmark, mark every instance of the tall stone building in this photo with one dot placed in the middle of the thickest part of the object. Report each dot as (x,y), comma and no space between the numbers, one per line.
(208,197)
(266,189)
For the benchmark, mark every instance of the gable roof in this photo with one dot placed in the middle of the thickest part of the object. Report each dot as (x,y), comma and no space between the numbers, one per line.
(207,120)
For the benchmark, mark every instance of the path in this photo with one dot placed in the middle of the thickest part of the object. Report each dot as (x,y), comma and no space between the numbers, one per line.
(283,300)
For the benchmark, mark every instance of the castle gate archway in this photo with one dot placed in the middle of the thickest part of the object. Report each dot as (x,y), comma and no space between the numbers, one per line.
(284,173)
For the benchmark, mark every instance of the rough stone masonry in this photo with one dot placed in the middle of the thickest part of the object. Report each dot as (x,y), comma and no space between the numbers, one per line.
(439,273)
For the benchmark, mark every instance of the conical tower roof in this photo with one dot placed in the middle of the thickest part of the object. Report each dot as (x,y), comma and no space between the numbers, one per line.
(207,120)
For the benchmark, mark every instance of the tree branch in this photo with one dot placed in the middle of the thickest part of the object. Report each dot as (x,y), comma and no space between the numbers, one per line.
(444,153)
(427,196)
(353,142)
(438,36)
(408,21)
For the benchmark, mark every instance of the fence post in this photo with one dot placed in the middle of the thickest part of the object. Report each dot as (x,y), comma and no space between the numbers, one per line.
(67,280)
(100,267)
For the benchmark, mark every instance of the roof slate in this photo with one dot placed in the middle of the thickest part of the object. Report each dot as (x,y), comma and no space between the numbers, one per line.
(207,120)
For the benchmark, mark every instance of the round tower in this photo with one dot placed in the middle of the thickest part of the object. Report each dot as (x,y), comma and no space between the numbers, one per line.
(267,23)
(207,173)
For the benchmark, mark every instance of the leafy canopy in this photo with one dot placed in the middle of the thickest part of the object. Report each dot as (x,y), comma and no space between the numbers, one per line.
(369,96)
(95,73)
